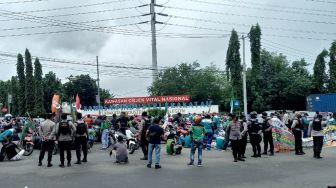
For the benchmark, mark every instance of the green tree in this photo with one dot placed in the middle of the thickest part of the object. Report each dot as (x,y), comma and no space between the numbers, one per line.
(30,89)
(282,86)
(84,86)
(332,68)
(39,94)
(14,90)
(320,77)
(104,94)
(21,86)
(202,84)
(233,65)
(254,96)
(255,37)
(51,85)
(4,93)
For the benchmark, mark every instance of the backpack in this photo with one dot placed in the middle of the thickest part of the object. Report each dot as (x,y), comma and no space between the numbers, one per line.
(317,125)
(300,125)
(64,128)
(81,129)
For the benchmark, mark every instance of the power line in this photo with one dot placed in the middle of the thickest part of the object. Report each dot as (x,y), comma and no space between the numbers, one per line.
(322,1)
(74,7)
(271,35)
(53,25)
(263,9)
(84,27)
(251,16)
(280,6)
(246,25)
(17,2)
(81,13)
(285,46)
(284,51)
(287,50)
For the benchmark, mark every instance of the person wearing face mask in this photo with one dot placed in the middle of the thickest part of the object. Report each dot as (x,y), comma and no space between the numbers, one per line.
(297,128)
(235,138)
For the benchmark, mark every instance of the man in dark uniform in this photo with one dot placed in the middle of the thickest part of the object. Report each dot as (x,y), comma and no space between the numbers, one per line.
(267,130)
(255,130)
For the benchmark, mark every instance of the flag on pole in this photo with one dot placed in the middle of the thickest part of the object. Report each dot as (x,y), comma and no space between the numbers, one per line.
(77,102)
(231,105)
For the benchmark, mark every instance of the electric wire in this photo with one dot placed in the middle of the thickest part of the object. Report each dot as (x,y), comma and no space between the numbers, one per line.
(262,9)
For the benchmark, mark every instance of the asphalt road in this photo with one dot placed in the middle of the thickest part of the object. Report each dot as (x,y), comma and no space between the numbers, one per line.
(282,170)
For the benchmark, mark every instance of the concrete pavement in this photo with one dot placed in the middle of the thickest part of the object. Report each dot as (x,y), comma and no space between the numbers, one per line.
(282,170)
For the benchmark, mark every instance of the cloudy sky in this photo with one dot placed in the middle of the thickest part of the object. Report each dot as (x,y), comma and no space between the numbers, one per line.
(300,28)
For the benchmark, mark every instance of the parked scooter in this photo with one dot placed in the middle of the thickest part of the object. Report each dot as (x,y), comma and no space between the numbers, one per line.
(130,138)
(27,143)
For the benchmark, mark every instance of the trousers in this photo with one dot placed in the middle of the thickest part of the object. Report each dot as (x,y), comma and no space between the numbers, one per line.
(243,145)
(46,146)
(298,141)
(255,142)
(65,146)
(157,148)
(236,148)
(318,144)
(81,145)
(144,147)
(199,146)
(268,139)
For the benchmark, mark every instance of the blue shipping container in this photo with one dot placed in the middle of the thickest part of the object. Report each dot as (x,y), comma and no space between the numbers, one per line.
(322,102)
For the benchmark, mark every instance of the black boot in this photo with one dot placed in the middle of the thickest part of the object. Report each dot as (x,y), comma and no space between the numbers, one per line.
(318,156)
(315,154)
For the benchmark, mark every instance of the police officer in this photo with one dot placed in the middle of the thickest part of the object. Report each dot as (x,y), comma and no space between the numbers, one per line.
(267,130)
(48,140)
(297,129)
(243,134)
(255,130)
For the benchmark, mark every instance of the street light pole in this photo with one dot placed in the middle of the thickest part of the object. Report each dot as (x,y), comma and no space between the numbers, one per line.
(98,97)
(244,78)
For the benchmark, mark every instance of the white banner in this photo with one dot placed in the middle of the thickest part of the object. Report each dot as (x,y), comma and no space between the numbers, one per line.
(171,110)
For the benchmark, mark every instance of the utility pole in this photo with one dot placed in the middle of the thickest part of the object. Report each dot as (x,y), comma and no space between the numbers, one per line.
(154,51)
(244,77)
(98,96)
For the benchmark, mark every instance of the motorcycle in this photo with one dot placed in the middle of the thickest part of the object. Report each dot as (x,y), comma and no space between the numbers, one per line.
(130,138)
(27,143)
(133,144)
(97,130)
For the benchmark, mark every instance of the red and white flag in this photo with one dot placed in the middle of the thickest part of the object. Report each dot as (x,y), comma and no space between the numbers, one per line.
(78,105)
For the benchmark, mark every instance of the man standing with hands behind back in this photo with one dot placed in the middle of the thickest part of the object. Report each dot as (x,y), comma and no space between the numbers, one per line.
(48,141)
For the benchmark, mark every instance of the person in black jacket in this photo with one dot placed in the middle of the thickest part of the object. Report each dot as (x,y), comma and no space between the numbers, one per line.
(122,122)
(145,123)
(81,137)
(267,130)
(243,131)
(254,130)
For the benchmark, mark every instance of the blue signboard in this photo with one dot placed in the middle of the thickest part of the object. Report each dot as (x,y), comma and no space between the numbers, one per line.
(236,103)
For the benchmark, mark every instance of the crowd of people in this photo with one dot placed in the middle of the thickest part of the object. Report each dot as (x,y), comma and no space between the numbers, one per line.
(199,130)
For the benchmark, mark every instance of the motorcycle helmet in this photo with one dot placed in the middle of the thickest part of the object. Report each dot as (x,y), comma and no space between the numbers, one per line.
(253,114)
(8,118)
(264,114)
(197,119)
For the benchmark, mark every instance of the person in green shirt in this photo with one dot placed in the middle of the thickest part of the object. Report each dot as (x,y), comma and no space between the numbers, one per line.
(197,132)
(105,127)
(28,125)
